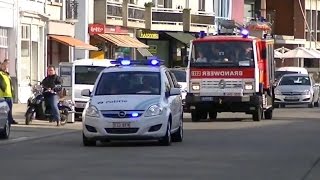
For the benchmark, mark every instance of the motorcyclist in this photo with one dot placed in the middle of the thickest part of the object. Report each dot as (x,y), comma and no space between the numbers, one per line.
(51,92)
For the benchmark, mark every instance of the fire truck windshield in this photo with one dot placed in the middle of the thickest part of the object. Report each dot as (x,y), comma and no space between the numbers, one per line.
(222,54)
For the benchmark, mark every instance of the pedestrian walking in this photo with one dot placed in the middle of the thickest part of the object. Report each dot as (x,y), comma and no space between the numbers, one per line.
(6,88)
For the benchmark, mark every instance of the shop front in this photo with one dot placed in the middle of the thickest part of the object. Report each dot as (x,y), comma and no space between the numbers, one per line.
(61,43)
(113,42)
(169,46)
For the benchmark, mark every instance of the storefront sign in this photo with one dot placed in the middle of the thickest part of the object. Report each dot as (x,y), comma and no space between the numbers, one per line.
(147,34)
(115,29)
(96,29)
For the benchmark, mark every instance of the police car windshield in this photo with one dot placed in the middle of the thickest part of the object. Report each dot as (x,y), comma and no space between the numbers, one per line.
(87,74)
(133,82)
(222,54)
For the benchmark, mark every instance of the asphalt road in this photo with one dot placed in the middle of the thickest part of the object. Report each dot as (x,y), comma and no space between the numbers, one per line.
(234,147)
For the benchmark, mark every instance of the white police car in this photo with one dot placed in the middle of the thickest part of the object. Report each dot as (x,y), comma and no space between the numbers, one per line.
(136,100)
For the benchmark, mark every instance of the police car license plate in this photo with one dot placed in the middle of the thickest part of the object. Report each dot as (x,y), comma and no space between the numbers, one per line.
(121,125)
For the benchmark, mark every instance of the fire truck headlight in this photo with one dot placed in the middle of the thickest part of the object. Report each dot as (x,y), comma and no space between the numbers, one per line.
(248,86)
(195,87)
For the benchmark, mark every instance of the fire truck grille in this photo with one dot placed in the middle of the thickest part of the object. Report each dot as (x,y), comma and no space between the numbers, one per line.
(215,84)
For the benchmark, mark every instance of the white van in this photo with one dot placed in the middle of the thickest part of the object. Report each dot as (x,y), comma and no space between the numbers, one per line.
(289,70)
(86,73)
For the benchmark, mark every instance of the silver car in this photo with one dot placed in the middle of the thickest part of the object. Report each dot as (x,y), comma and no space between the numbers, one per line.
(297,89)
(4,122)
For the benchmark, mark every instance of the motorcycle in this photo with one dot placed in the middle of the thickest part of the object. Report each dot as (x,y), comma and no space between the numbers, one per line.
(39,109)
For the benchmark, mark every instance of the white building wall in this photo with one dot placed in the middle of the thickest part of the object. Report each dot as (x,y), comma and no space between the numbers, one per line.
(81,27)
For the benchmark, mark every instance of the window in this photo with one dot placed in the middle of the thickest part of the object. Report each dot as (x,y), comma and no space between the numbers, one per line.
(25,49)
(170,80)
(25,32)
(174,80)
(87,74)
(160,3)
(180,75)
(168,3)
(295,80)
(130,83)
(202,5)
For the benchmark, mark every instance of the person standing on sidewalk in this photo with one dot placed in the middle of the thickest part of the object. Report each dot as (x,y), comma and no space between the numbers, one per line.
(6,88)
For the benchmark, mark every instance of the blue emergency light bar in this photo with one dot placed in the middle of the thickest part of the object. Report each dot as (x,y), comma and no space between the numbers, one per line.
(244,33)
(151,61)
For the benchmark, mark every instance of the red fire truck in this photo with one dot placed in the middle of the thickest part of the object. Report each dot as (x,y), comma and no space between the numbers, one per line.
(230,73)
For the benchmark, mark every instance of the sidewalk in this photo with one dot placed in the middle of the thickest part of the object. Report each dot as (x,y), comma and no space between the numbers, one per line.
(18,112)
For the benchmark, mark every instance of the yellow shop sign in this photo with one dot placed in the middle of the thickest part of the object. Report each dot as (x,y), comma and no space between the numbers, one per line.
(148,35)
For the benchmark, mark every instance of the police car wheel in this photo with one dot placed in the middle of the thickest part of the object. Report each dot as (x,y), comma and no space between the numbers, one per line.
(178,136)
(88,142)
(166,140)
(5,133)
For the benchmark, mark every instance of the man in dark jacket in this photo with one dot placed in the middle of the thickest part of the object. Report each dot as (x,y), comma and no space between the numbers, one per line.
(6,88)
(51,92)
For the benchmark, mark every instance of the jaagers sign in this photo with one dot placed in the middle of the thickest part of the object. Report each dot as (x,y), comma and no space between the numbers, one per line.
(147,34)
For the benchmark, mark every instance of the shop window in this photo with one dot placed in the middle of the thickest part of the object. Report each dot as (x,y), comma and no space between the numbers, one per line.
(25,49)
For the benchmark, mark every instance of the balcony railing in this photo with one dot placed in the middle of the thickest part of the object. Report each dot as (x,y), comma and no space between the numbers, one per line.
(148,17)
(202,19)
(114,10)
(167,16)
(71,9)
(136,13)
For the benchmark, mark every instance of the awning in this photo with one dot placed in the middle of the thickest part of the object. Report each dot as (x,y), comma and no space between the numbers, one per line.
(185,38)
(70,41)
(301,52)
(144,52)
(123,40)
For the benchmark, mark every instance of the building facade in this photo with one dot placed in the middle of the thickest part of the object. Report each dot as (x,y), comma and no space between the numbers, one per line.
(165,27)
(44,33)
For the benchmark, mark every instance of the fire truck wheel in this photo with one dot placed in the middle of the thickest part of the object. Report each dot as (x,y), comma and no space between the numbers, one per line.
(257,114)
(268,114)
(213,115)
(195,116)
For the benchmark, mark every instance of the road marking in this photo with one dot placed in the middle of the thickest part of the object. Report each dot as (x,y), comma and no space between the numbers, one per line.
(24,138)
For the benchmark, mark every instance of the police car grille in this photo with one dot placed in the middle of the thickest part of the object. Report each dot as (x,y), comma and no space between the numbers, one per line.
(121,130)
(115,114)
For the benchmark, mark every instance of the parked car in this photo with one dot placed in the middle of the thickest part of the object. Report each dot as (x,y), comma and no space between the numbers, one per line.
(289,70)
(180,74)
(4,122)
(297,89)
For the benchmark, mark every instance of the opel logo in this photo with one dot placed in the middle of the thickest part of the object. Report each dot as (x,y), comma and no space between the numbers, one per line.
(122,114)
(222,84)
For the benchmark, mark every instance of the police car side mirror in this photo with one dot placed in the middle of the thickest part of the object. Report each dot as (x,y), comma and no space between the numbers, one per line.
(86,92)
(174,92)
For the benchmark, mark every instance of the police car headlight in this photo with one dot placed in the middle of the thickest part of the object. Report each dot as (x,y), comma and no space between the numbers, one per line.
(92,111)
(153,110)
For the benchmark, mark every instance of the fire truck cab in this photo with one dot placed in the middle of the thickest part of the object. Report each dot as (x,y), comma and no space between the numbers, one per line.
(230,73)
